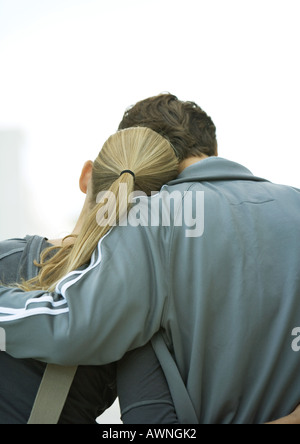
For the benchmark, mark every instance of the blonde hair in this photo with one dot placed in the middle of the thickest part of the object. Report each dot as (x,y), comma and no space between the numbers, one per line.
(152,160)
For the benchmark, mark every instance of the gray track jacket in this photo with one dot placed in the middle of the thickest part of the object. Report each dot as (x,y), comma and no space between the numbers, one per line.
(217,267)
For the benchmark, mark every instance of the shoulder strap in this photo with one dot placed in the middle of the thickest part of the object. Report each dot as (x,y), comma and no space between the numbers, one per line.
(182,402)
(57,380)
(52,394)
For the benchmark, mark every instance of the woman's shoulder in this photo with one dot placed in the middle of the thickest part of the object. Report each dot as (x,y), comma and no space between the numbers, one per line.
(17,257)
(11,251)
(11,246)
(16,245)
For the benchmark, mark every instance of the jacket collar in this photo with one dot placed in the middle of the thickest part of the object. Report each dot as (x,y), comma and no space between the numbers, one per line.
(215,168)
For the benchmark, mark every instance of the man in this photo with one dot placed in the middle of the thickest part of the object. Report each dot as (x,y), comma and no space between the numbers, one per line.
(224,292)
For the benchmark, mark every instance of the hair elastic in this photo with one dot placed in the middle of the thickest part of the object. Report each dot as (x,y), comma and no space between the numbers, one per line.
(128,171)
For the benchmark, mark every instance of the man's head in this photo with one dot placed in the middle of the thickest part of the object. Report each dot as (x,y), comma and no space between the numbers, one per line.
(189,129)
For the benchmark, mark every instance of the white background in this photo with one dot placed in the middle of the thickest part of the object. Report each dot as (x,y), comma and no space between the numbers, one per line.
(70,68)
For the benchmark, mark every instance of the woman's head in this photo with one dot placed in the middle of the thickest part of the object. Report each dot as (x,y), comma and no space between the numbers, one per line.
(141,150)
(151,162)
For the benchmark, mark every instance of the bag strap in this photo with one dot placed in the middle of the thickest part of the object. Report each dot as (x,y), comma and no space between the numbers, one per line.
(182,402)
(52,394)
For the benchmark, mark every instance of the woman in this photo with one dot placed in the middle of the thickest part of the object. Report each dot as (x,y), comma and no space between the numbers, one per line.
(94,388)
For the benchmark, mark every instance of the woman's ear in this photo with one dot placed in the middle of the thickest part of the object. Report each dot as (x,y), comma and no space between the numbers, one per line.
(86,176)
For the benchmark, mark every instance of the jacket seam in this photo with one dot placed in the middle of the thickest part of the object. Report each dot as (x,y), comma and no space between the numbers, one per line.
(169,285)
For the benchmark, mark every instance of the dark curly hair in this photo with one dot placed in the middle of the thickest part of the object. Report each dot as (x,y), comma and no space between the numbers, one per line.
(187,127)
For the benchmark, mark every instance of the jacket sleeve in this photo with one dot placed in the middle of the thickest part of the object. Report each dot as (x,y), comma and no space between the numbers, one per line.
(97,314)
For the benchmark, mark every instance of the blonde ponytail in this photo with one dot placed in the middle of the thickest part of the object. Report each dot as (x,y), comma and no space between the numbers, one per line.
(147,161)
